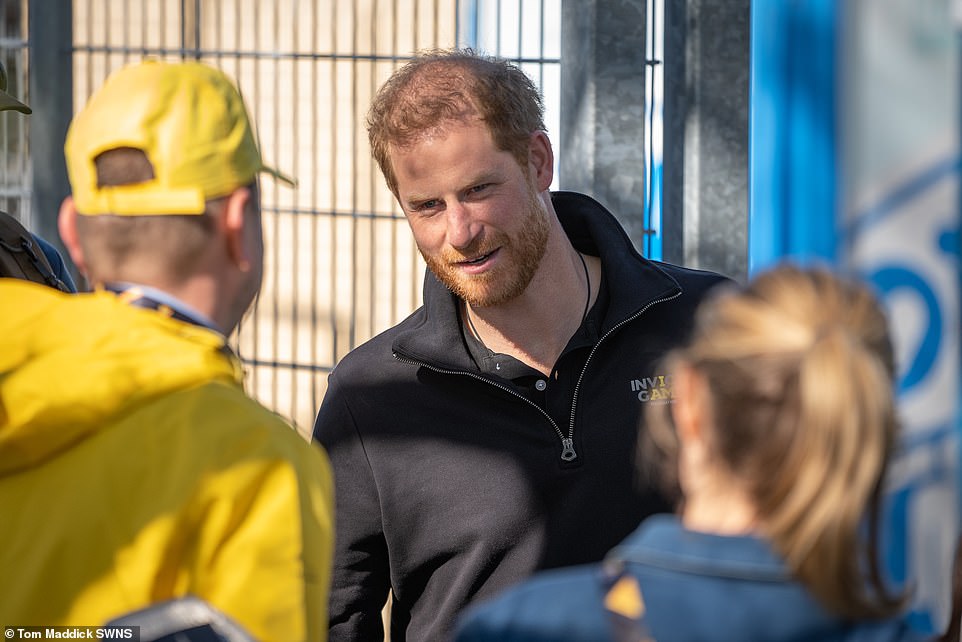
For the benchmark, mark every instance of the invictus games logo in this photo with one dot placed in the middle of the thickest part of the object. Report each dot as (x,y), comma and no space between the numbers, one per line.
(656,389)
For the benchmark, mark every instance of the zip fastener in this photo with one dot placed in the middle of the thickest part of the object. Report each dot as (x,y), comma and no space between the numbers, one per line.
(567,443)
(488,381)
(568,452)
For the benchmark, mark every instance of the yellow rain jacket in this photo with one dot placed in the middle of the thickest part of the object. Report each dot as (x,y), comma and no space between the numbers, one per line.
(134,469)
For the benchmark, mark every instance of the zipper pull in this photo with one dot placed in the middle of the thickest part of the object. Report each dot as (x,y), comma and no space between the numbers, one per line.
(568,451)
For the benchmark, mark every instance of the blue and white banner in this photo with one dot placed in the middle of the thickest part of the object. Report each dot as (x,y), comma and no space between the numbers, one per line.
(900,117)
(907,245)
(856,160)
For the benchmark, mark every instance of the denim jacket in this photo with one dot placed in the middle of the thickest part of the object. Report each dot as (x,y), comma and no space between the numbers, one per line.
(693,586)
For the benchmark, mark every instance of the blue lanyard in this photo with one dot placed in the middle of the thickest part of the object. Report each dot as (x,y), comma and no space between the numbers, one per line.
(137,297)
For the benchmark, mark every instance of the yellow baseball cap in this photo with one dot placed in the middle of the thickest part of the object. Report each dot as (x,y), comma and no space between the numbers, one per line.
(190,121)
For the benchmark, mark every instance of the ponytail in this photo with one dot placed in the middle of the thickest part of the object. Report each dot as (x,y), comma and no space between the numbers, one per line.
(800,372)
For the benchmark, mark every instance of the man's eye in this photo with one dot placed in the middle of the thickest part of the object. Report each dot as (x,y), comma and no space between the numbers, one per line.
(426,205)
(479,188)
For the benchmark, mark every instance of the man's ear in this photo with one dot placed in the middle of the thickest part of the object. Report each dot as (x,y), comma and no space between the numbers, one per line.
(67,225)
(541,160)
(233,223)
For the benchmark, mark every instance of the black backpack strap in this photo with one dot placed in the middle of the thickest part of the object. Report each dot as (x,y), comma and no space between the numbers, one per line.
(624,603)
(21,256)
(183,619)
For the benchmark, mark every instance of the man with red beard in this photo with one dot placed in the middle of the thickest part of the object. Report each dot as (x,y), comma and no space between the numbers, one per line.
(491,433)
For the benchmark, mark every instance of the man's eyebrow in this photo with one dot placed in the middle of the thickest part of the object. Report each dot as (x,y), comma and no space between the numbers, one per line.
(484,176)
(490,176)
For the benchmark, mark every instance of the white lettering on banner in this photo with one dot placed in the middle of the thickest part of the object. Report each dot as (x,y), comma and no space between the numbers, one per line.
(907,246)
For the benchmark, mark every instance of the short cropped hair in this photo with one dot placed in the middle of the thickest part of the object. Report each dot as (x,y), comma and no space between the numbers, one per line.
(112,243)
(439,87)
(800,372)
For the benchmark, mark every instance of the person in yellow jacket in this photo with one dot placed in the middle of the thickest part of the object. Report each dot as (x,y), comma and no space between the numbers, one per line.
(133,467)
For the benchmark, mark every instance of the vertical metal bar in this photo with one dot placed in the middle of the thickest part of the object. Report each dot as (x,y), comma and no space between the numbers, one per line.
(183,28)
(295,218)
(218,31)
(358,162)
(163,23)
(497,28)
(197,31)
(520,29)
(190,29)
(334,192)
(476,23)
(650,62)
(355,187)
(392,293)
(14,200)
(467,19)
(89,79)
(354,226)
(247,325)
(541,47)
(143,29)
(125,43)
(24,173)
(414,282)
(51,90)
(276,224)
(414,24)
(677,109)
(6,181)
(109,56)
(21,207)
(255,81)
(7,202)
(392,208)
(315,146)
(372,181)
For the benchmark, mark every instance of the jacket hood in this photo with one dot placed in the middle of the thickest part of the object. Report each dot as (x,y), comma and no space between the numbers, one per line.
(432,335)
(70,363)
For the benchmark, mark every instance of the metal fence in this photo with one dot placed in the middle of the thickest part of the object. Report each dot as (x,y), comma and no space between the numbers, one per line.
(14,166)
(341,265)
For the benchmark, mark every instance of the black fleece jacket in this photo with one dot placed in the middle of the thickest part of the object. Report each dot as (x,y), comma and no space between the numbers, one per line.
(450,483)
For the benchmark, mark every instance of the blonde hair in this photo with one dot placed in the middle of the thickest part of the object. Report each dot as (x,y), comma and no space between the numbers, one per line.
(800,369)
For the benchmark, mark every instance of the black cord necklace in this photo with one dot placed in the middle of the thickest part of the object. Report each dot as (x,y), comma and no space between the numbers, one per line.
(584,315)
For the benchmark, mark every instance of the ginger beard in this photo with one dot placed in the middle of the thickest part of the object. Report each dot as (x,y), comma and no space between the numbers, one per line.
(520,256)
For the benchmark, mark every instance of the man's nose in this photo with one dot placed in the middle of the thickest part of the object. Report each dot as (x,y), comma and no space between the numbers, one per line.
(461,226)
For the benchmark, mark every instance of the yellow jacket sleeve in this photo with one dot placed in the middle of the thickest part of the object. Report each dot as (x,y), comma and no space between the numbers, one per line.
(266,545)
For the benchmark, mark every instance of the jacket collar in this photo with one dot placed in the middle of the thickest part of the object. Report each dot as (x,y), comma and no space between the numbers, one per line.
(432,335)
(771,604)
(661,541)
(150,298)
